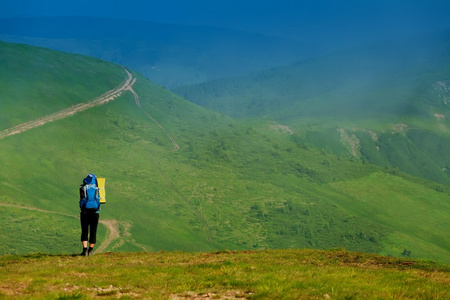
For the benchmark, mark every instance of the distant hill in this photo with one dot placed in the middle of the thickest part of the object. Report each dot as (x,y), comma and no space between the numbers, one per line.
(381,80)
(181,177)
(387,103)
(170,55)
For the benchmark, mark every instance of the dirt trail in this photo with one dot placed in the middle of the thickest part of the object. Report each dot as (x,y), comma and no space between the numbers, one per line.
(106,97)
(111,225)
(112,235)
(136,99)
(37,209)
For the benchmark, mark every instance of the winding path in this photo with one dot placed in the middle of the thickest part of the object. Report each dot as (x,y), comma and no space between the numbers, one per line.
(113,234)
(112,225)
(106,97)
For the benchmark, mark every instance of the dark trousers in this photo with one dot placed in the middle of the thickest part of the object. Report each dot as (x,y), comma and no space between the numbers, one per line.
(89,222)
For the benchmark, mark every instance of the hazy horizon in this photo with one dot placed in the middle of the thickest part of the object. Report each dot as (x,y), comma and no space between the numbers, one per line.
(177,57)
(346,22)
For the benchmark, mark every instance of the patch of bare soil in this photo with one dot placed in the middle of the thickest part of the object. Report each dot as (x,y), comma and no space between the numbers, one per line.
(283,129)
(351,141)
(212,295)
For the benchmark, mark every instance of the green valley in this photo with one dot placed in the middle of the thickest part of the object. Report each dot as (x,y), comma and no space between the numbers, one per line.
(384,104)
(183,177)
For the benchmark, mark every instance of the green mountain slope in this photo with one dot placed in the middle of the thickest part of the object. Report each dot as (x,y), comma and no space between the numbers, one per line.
(386,104)
(35,82)
(180,177)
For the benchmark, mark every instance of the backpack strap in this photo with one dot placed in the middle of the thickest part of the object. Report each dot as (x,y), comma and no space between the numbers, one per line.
(82,202)
(84,191)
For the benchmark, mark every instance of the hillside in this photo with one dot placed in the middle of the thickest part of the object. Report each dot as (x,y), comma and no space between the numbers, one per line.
(180,177)
(168,54)
(280,274)
(384,80)
(386,103)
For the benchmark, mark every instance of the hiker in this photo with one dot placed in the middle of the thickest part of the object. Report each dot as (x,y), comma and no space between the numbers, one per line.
(89,215)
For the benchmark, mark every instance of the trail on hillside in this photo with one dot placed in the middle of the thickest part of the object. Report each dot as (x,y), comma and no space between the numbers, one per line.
(112,226)
(106,97)
(36,209)
(161,172)
(136,99)
(113,234)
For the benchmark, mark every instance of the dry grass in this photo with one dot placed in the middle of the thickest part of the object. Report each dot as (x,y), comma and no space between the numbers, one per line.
(276,274)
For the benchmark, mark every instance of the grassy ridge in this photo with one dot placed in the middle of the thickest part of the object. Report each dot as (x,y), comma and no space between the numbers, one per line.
(276,274)
(38,78)
(246,184)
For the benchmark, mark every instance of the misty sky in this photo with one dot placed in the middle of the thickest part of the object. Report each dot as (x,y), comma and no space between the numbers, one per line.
(347,20)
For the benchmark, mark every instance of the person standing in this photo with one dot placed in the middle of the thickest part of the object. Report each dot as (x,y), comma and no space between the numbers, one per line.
(89,214)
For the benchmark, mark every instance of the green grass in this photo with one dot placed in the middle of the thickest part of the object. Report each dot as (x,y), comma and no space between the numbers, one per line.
(39,78)
(29,231)
(275,274)
(247,184)
(403,206)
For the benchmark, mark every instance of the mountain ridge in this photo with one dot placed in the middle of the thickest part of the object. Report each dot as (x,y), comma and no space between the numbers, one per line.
(168,54)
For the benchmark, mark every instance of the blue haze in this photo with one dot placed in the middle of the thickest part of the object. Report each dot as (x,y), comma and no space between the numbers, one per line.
(322,21)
